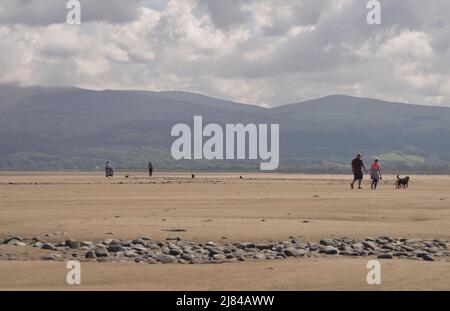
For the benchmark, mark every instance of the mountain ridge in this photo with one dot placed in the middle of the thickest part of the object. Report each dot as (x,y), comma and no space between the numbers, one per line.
(74,128)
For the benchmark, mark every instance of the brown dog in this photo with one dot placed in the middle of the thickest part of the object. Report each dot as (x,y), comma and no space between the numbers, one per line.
(402,182)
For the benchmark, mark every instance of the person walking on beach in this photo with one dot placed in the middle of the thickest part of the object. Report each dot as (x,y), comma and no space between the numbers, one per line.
(357,166)
(150,169)
(108,169)
(375,174)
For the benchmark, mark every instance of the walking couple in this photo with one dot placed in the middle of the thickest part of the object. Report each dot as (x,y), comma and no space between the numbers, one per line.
(358,166)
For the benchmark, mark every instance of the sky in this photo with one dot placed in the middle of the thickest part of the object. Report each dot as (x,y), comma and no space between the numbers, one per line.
(264,52)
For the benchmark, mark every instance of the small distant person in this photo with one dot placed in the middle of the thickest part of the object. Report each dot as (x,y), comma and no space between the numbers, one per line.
(375,174)
(150,169)
(108,169)
(357,166)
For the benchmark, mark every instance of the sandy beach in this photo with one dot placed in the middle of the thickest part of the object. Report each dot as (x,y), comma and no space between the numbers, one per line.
(220,207)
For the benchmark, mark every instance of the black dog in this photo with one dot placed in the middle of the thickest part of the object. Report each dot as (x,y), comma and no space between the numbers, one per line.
(402,182)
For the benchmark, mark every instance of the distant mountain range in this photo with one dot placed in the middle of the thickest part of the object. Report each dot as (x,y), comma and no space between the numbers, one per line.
(78,129)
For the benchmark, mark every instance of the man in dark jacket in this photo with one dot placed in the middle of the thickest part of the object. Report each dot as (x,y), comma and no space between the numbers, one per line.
(150,169)
(109,170)
(357,166)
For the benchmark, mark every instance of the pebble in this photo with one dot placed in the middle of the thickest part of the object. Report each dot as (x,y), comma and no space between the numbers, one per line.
(264,246)
(90,255)
(166,259)
(326,242)
(114,248)
(329,250)
(86,243)
(12,238)
(101,252)
(73,244)
(259,256)
(385,256)
(48,246)
(428,257)
(369,244)
(290,252)
(15,242)
(184,252)
(219,257)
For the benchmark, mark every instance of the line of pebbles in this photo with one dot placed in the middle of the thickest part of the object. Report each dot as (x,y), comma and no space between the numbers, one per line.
(178,250)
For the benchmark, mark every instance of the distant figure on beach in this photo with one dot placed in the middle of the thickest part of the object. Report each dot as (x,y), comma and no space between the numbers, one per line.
(150,169)
(375,174)
(357,166)
(108,169)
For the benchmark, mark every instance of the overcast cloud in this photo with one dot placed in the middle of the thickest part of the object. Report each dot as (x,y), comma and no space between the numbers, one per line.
(266,52)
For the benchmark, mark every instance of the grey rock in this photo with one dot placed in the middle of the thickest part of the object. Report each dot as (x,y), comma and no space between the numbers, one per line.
(139,242)
(408,248)
(259,256)
(166,259)
(114,248)
(382,241)
(387,246)
(280,248)
(433,250)
(290,252)
(187,257)
(414,241)
(175,252)
(326,242)
(12,238)
(129,254)
(264,246)
(370,245)
(90,255)
(48,246)
(140,259)
(400,254)
(101,252)
(214,251)
(72,244)
(165,250)
(86,243)
(428,257)
(250,245)
(420,254)
(358,247)
(15,242)
(219,257)
(329,250)
(385,256)
(108,241)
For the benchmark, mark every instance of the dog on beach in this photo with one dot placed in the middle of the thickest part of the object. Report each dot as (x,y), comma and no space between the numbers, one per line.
(402,183)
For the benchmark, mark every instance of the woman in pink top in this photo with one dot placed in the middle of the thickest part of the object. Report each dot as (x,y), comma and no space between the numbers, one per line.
(375,173)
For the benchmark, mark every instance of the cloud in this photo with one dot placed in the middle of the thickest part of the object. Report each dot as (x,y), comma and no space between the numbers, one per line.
(264,52)
(46,12)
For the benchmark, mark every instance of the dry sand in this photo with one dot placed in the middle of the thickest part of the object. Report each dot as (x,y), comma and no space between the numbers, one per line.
(222,207)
